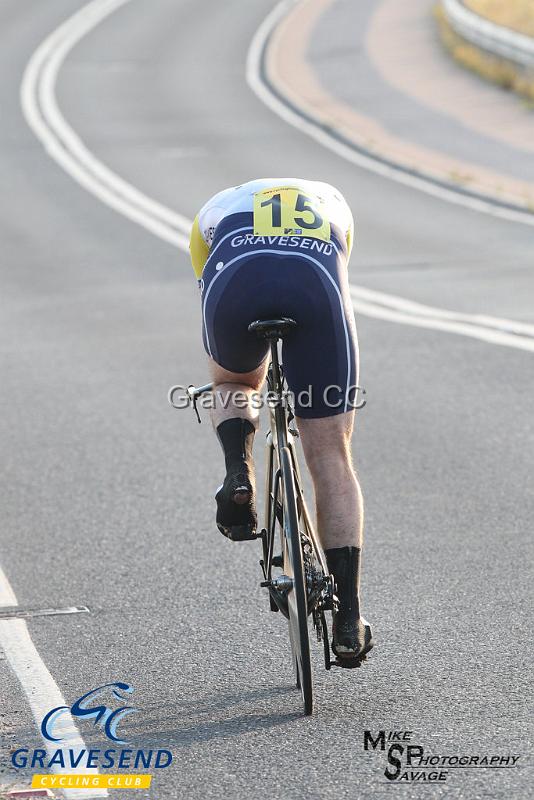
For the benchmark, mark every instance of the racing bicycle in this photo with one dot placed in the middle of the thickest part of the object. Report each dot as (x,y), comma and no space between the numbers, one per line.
(293,564)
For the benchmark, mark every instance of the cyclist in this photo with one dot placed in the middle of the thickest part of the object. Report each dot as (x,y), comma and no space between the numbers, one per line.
(271,248)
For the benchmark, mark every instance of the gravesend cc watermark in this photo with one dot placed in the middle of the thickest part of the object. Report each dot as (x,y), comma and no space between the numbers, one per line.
(333,396)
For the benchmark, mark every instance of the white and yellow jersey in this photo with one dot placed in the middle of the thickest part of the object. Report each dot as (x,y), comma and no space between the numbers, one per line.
(280,207)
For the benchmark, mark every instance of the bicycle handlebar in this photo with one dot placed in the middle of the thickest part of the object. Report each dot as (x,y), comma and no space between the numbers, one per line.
(194,392)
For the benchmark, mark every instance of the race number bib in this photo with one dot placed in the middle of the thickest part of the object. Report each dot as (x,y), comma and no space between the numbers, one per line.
(289,212)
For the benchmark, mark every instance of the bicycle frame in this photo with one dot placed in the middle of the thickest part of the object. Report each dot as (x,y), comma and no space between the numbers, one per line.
(279,436)
(321,590)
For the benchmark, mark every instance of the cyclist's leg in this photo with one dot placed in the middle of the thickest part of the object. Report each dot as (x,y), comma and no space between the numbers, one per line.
(321,366)
(234,393)
(339,506)
(238,364)
(235,419)
(327,448)
(322,359)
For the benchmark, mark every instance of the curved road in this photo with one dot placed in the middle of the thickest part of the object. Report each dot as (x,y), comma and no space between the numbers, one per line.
(106,490)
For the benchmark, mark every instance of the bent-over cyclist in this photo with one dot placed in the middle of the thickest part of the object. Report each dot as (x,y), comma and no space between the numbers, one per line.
(280,248)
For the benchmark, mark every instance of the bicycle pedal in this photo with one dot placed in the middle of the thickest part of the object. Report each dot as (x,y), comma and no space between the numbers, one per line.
(239,533)
(346,663)
(349,663)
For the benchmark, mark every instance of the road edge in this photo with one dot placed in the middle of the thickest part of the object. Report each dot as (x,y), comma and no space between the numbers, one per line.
(348,139)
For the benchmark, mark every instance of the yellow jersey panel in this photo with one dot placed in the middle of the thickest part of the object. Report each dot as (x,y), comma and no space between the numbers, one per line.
(198,248)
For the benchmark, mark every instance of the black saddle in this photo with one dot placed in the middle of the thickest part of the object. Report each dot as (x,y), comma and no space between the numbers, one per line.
(272,328)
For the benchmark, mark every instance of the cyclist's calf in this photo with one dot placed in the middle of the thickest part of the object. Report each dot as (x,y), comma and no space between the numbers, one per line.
(233,393)
(326,444)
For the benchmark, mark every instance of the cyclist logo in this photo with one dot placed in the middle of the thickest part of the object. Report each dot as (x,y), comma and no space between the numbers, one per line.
(108,718)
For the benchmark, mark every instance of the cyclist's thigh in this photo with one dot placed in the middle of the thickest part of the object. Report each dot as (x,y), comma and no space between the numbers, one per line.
(228,307)
(253,379)
(321,356)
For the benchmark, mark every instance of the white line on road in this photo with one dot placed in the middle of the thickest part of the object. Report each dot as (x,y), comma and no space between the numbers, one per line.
(418,309)
(62,143)
(437,323)
(41,690)
(7,595)
(493,330)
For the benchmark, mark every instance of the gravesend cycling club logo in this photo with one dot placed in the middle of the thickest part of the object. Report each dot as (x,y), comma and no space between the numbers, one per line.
(105,708)
(408,762)
(108,718)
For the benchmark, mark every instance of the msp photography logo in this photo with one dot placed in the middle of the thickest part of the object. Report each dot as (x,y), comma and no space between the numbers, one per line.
(408,762)
(105,708)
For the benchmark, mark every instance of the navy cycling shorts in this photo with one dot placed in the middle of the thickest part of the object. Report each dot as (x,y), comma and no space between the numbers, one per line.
(251,277)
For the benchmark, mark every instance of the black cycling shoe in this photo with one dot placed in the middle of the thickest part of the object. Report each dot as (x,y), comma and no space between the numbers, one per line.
(236,513)
(352,637)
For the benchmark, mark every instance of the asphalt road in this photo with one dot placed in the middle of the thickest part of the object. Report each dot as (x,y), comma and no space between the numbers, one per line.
(106,491)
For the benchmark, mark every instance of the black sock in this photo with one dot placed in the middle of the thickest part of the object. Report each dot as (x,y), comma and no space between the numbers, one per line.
(344,564)
(236,437)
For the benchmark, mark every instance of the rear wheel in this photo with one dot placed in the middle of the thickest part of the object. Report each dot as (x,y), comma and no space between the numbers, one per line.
(293,568)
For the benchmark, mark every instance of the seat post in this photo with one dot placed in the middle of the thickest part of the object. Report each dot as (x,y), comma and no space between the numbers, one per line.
(274,330)
(279,410)
(275,361)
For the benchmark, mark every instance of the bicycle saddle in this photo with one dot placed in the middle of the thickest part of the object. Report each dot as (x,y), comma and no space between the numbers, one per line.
(272,328)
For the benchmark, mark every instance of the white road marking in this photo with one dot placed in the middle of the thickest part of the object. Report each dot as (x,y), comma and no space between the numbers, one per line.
(418,309)
(40,688)
(7,595)
(427,320)
(315,131)
(62,143)
(493,330)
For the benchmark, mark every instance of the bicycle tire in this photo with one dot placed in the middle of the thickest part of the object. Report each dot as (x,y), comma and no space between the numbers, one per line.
(294,568)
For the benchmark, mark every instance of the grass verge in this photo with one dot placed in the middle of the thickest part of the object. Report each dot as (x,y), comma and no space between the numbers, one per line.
(515,14)
(493,68)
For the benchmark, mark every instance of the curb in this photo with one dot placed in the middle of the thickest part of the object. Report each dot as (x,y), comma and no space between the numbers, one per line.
(497,54)
(493,38)
(517,206)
